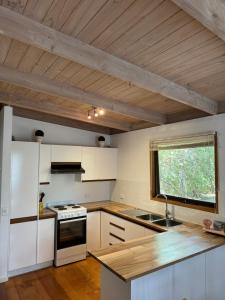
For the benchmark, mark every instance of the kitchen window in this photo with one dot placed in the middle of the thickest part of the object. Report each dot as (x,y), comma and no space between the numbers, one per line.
(185,170)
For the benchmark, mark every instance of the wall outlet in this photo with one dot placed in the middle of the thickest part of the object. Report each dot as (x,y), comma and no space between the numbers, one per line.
(122,196)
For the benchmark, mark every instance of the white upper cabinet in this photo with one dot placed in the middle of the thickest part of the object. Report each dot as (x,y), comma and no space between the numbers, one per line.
(89,163)
(45,164)
(62,153)
(106,161)
(99,163)
(24,179)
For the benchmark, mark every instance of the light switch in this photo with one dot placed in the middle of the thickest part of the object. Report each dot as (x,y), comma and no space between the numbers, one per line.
(4,211)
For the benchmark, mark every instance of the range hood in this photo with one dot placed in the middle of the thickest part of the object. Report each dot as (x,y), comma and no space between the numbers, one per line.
(66,168)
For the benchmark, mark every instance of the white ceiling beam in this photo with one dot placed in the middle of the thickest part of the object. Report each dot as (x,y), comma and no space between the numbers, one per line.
(37,106)
(21,28)
(210,13)
(56,88)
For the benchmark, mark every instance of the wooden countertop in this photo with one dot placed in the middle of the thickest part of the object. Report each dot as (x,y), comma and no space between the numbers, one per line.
(138,257)
(47,214)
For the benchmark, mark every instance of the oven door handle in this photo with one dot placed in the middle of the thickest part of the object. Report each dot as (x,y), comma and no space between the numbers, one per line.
(73,220)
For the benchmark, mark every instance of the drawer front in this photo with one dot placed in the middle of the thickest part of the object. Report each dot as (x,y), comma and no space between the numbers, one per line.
(114,239)
(117,221)
(116,229)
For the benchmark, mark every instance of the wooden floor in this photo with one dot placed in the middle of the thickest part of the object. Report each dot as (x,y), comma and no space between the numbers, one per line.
(80,280)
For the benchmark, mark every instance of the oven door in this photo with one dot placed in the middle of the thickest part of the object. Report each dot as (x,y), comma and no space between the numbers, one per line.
(71,232)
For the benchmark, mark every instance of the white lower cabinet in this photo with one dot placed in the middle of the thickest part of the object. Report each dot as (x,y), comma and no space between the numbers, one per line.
(189,279)
(93,230)
(45,244)
(215,270)
(23,245)
(116,230)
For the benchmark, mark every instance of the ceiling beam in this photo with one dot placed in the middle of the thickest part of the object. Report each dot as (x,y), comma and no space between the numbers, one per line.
(208,12)
(36,105)
(56,88)
(21,28)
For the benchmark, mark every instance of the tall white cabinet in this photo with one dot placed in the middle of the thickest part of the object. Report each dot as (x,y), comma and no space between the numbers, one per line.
(31,240)
(24,179)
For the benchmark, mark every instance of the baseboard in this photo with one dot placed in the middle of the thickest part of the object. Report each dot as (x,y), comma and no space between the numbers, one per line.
(30,269)
(3,279)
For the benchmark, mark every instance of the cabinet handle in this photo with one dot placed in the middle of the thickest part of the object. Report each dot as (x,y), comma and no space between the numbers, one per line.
(110,244)
(117,237)
(117,226)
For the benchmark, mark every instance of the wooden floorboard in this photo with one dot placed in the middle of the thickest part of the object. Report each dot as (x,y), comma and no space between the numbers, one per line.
(78,281)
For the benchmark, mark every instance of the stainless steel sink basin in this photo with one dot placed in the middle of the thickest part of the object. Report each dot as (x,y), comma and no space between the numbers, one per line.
(149,217)
(167,222)
(134,212)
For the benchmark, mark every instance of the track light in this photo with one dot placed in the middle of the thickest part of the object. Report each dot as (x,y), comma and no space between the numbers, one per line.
(89,116)
(101,112)
(95,112)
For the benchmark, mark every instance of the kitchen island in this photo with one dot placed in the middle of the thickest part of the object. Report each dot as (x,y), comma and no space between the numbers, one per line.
(178,264)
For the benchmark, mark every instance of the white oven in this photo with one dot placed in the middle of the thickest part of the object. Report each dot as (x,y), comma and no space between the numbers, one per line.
(70,244)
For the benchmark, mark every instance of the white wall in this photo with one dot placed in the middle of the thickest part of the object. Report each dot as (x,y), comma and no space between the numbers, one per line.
(23,130)
(5,168)
(133,184)
(64,188)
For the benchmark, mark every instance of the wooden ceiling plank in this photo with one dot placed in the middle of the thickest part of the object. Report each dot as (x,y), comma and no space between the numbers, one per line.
(15,54)
(29,103)
(5,45)
(38,83)
(15,26)
(207,12)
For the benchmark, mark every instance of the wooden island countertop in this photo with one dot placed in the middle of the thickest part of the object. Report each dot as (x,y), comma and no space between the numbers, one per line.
(145,255)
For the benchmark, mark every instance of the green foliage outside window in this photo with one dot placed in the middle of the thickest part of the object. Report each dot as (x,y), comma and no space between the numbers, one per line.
(188,173)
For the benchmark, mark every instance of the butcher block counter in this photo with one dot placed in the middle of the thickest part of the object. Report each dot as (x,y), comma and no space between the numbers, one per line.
(125,264)
(132,259)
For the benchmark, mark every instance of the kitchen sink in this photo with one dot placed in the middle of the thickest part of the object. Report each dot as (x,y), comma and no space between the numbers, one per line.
(167,222)
(134,212)
(149,217)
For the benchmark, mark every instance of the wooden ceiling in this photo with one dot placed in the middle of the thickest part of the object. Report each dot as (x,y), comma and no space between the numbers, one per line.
(149,63)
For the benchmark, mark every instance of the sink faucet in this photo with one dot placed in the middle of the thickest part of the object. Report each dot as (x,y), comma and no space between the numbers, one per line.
(167,212)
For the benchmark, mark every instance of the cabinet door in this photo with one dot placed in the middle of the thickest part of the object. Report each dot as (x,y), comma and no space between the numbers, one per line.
(24,179)
(99,163)
(105,230)
(134,231)
(154,286)
(89,163)
(215,274)
(45,164)
(93,231)
(45,245)
(106,161)
(189,279)
(23,245)
(62,153)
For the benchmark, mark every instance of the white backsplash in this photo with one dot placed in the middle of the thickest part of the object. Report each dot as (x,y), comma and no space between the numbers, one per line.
(64,188)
